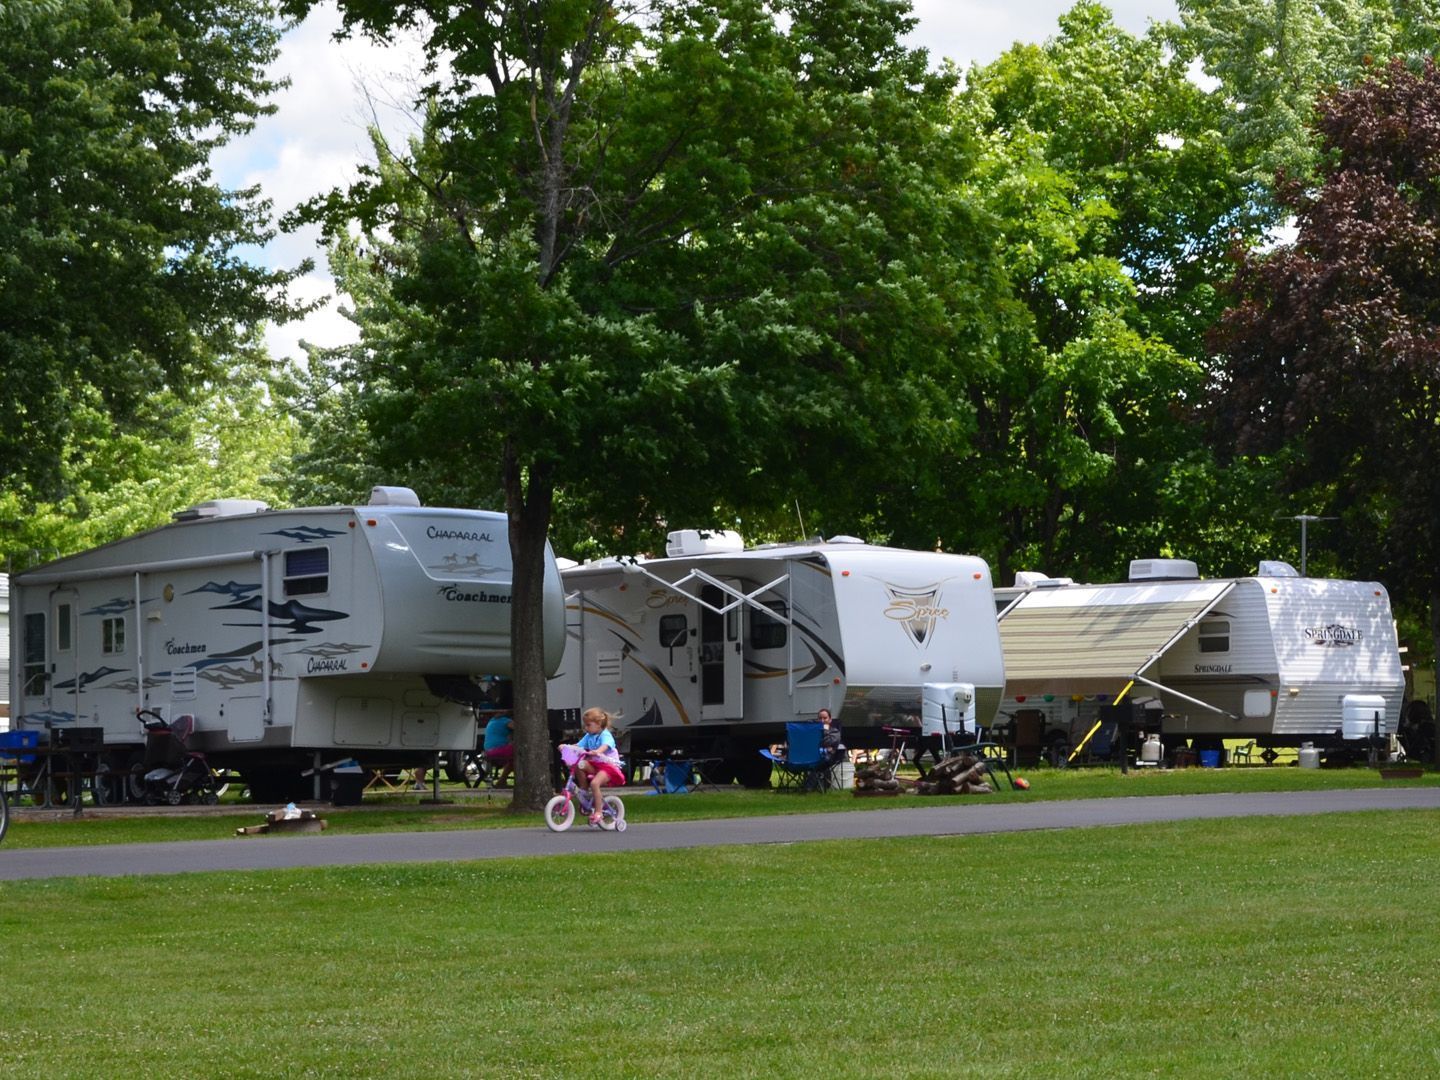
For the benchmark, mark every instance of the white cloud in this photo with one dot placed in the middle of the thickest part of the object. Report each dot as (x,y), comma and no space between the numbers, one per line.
(318,137)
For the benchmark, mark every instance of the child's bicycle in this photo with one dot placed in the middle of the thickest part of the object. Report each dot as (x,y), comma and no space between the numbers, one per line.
(560,811)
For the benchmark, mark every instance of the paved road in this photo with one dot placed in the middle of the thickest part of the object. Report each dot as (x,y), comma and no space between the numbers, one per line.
(272,853)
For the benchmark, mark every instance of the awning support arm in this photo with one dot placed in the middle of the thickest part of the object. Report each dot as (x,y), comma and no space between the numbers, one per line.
(1185,697)
(1184,629)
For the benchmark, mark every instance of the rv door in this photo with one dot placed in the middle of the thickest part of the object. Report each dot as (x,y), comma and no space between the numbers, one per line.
(64,665)
(722,653)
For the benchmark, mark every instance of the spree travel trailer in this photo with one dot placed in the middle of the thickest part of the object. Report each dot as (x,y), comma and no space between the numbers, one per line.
(290,636)
(1279,658)
(713,648)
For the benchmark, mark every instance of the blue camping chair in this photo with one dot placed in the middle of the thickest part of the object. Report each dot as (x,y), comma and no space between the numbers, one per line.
(803,765)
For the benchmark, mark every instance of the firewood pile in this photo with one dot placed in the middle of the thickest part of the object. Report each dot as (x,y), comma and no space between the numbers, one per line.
(963,774)
(877,779)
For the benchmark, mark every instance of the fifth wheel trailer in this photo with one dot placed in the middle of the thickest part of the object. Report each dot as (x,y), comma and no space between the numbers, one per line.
(713,648)
(291,636)
(1278,658)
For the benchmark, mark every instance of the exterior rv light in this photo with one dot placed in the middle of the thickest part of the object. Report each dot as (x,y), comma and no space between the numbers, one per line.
(1049,697)
(351,524)
(1293,691)
(924,667)
(1020,698)
(371,522)
(844,573)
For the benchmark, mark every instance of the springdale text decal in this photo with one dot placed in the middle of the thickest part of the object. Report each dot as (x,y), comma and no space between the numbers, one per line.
(917,610)
(1334,636)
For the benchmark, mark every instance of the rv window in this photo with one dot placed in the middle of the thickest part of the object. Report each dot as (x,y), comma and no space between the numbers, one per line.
(674,631)
(766,631)
(307,571)
(112,634)
(63,626)
(35,677)
(1215,636)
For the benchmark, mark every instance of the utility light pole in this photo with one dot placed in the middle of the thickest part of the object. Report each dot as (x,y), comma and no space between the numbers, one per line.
(1305,520)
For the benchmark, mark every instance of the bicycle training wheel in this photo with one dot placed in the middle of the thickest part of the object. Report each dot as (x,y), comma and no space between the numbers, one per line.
(559,814)
(614,816)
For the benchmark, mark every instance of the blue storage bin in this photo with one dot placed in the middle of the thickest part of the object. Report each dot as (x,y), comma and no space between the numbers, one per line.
(12,741)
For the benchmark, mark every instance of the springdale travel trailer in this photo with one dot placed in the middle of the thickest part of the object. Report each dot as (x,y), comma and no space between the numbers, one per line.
(712,649)
(1278,658)
(289,635)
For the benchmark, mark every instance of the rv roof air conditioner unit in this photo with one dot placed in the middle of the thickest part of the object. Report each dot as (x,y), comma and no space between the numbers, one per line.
(843,539)
(1033,579)
(380,495)
(1276,568)
(218,508)
(703,542)
(1163,570)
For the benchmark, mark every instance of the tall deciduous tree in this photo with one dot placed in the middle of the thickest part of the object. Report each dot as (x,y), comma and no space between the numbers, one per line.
(120,268)
(667,260)
(1272,59)
(1333,342)
(1114,201)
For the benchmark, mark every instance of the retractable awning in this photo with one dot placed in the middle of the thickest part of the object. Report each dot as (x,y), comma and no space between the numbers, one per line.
(1094,639)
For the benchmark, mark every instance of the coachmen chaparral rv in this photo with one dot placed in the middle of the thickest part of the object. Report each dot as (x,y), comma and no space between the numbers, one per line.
(289,636)
(1277,658)
(712,649)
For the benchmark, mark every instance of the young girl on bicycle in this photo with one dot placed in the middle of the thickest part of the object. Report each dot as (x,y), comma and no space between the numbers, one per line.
(601,763)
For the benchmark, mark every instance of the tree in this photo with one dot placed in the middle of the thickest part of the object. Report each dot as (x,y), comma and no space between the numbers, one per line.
(1272,59)
(666,261)
(1331,345)
(233,438)
(1113,202)
(120,269)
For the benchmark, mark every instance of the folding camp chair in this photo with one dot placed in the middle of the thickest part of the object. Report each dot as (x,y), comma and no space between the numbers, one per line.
(803,765)
(673,777)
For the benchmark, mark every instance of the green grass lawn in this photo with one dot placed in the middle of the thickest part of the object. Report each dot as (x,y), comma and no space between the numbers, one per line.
(1276,946)
(409,811)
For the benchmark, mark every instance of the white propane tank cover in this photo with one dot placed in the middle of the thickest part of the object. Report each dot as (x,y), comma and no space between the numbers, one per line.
(947,707)
(1163,570)
(1276,568)
(1359,713)
(381,495)
(703,542)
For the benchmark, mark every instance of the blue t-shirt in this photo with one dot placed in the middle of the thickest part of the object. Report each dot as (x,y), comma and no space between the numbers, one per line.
(497,733)
(601,740)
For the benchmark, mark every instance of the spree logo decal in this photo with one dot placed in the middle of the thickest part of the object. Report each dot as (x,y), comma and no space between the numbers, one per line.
(1333,636)
(917,610)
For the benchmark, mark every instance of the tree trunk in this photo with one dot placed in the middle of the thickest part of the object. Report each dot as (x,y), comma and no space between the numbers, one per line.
(529,507)
(1435,652)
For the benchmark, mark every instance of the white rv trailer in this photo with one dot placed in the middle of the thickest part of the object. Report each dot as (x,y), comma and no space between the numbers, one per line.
(287,634)
(712,649)
(1277,658)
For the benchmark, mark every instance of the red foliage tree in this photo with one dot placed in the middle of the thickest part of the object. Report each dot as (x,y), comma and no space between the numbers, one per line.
(1330,351)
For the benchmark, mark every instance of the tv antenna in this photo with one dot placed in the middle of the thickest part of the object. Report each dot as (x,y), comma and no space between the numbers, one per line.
(1305,520)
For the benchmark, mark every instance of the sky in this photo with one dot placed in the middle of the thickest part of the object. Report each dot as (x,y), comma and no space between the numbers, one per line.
(317,137)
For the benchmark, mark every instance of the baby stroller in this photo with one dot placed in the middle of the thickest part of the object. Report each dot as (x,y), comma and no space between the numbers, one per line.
(171,772)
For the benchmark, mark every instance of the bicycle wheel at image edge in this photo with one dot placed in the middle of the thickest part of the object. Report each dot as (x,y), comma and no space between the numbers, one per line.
(559,814)
(4,813)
